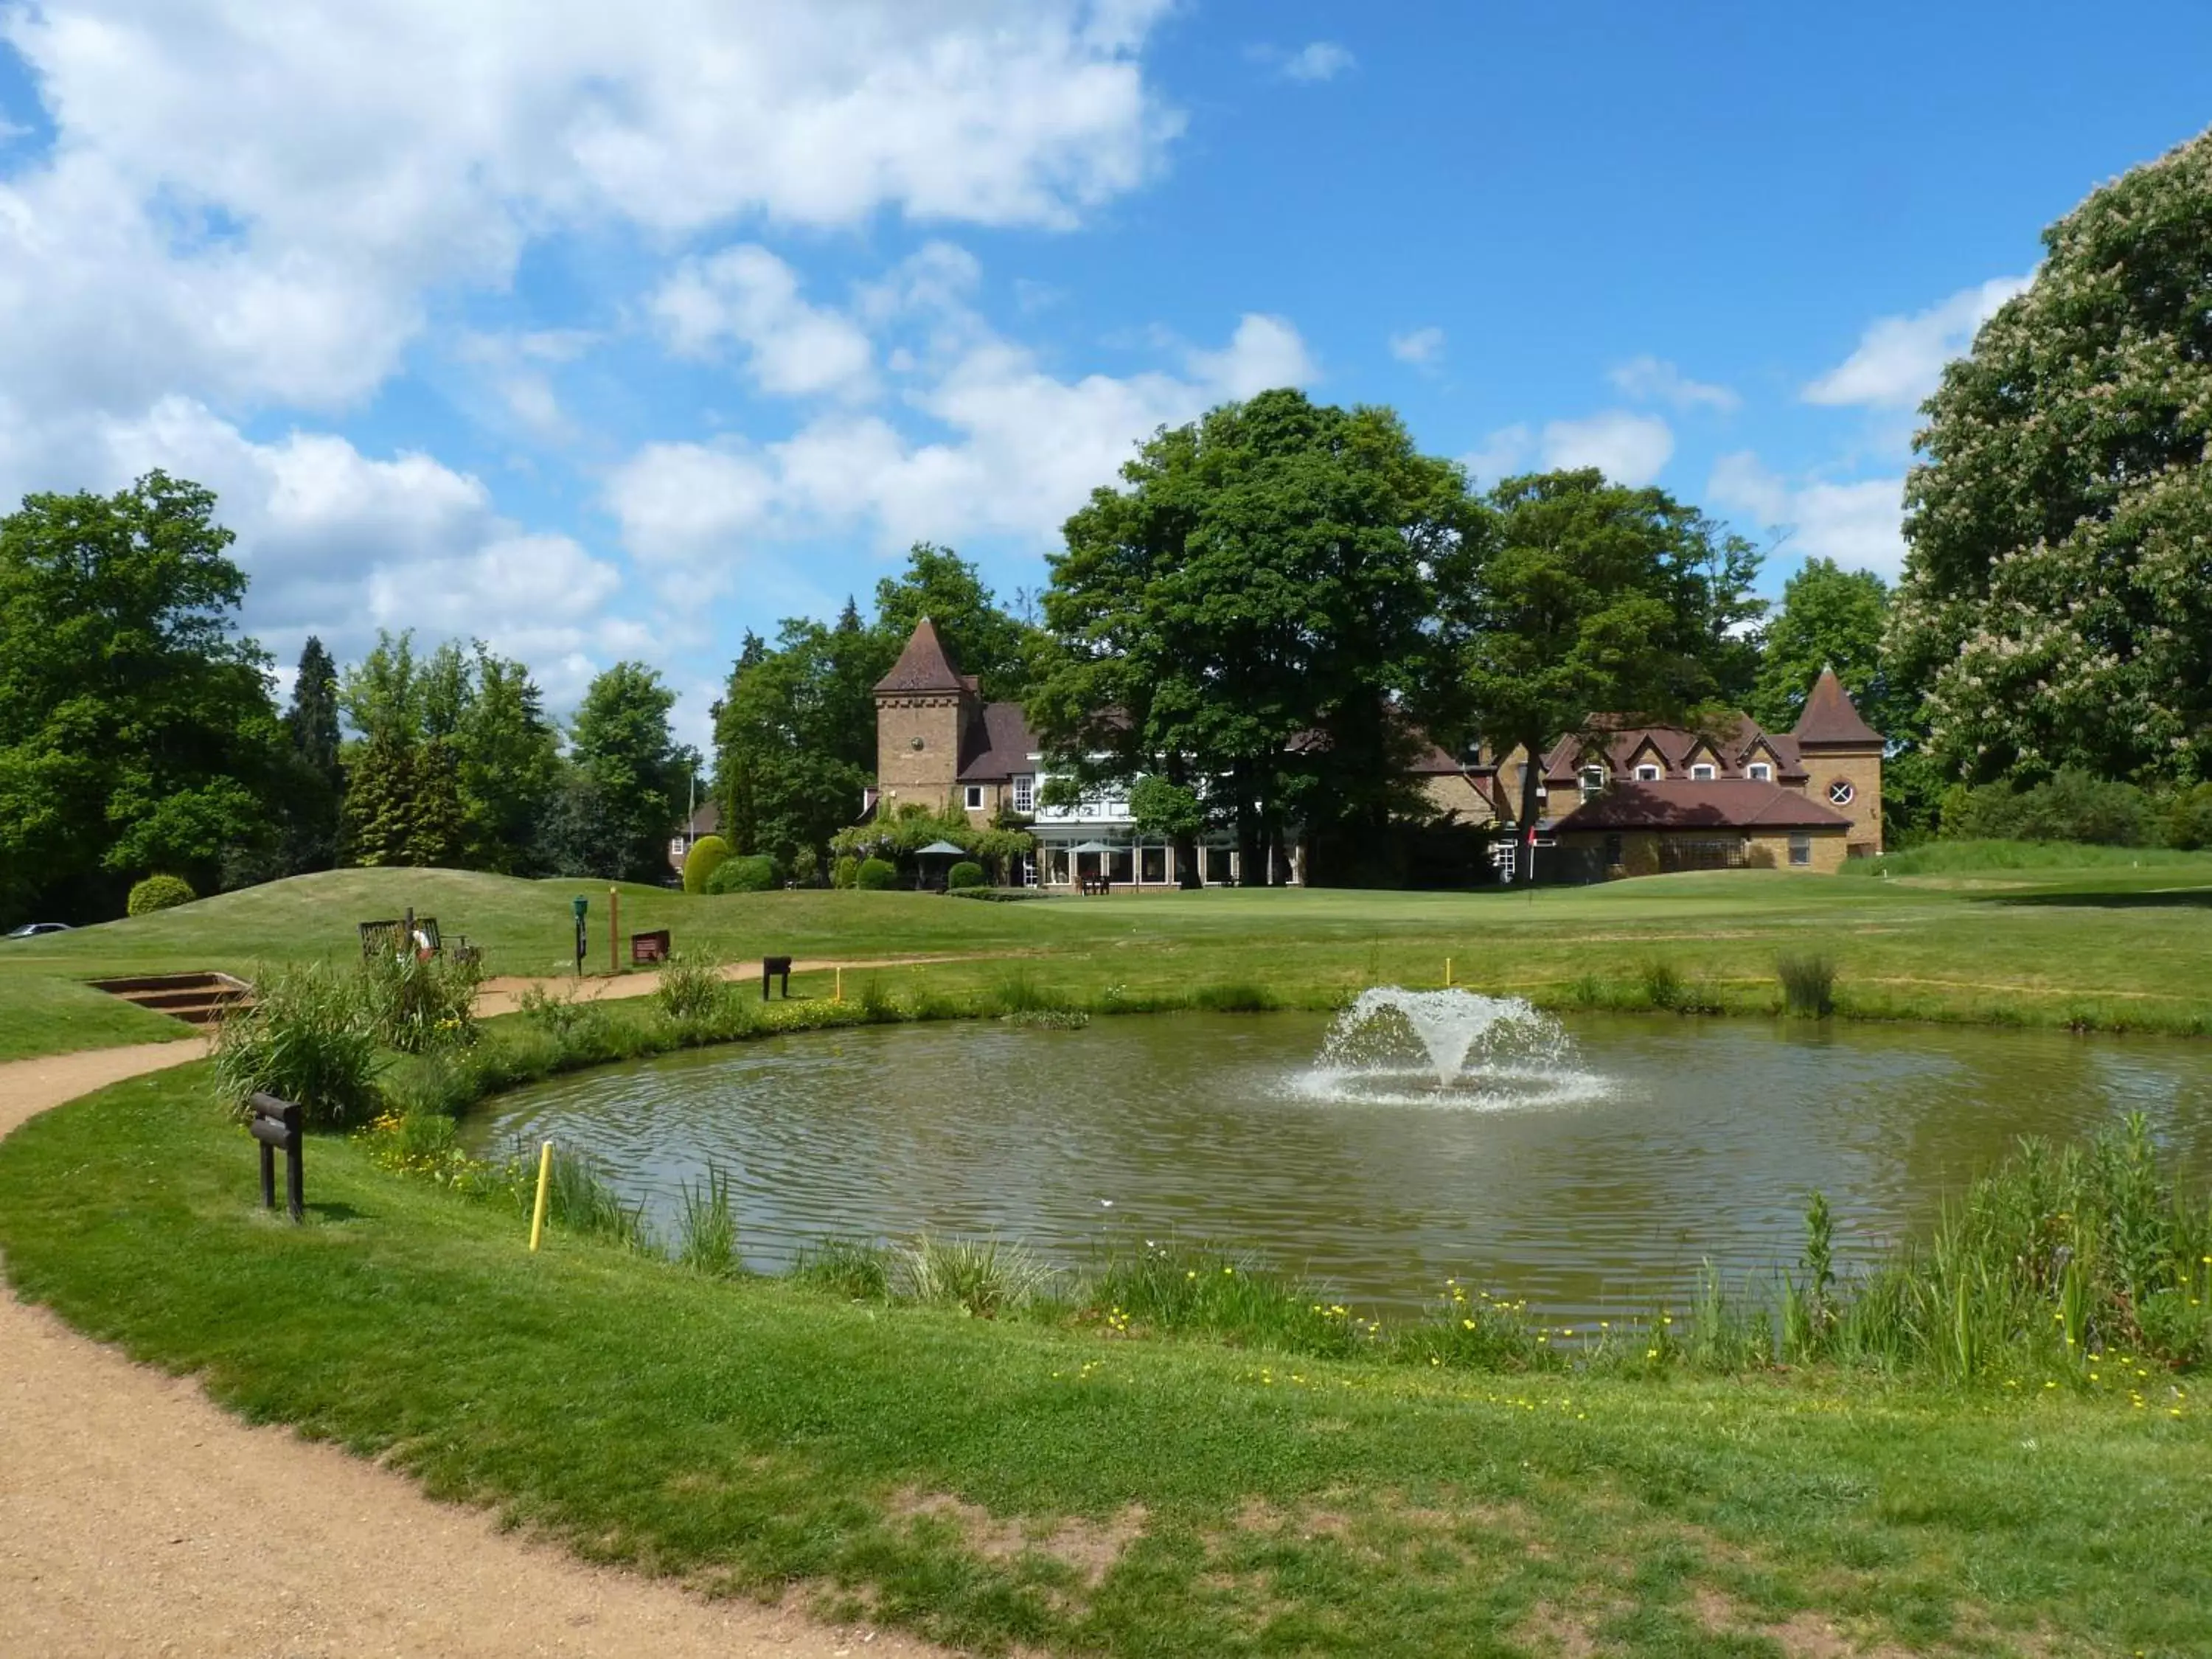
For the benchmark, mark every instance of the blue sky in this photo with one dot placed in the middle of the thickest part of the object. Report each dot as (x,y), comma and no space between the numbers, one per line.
(608,336)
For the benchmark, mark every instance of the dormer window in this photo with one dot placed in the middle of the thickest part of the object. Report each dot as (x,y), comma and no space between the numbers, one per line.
(1702,772)
(1592,780)
(1761,770)
(1647,773)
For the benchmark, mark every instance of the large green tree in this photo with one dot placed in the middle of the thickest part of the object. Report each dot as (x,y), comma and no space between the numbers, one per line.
(1590,599)
(620,740)
(136,728)
(507,763)
(1830,617)
(1252,616)
(794,738)
(983,638)
(2056,601)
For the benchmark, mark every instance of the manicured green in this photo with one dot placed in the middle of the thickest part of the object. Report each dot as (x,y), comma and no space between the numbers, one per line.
(1083,1490)
(2095,937)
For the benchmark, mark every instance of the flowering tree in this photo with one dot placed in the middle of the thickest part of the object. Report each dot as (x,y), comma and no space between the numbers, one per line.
(2056,601)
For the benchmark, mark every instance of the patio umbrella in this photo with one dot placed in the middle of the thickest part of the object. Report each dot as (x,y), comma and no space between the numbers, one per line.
(1091,847)
(942,849)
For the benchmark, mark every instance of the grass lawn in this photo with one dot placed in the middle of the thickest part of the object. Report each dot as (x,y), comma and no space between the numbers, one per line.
(1075,1491)
(2091,938)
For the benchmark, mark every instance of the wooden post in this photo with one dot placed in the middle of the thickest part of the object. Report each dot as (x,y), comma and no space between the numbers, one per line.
(544,1182)
(277,1123)
(1447,973)
(614,929)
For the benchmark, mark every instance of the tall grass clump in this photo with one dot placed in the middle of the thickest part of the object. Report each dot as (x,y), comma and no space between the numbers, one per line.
(1235,997)
(983,1277)
(1174,1289)
(691,989)
(304,1040)
(1477,1331)
(419,1004)
(582,1200)
(1809,983)
(707,1227)
(2059,1257)
(853,1269)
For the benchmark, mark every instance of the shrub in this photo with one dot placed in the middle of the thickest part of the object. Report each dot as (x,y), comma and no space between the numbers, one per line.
(876,876)
(966,873)
(2188,818)
(417,1004)
(2074,806)
(691,988)
(1234,996)
(159,893)
(1808,984)
(303,1039)
(753,873)
(845,872)
(708,854)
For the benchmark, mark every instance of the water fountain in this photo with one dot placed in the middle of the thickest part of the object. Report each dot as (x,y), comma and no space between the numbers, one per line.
(1394,1046)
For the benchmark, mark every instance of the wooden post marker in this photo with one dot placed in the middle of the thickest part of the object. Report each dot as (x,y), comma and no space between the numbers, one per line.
(276,1124)
(614,930)
(545,1186)
(1447,973)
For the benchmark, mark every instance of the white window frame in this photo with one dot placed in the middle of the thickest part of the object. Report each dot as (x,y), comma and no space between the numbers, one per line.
(1647,773)
(1762,771)
(1025,792)
(1841,793)
(1801,851)
(1593,780)
(1703,772)
(975,797)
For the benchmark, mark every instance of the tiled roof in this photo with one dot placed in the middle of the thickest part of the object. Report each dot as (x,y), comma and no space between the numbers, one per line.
(923,665)
(997,745)
(1733,745)
(1831,716)
(1709,804)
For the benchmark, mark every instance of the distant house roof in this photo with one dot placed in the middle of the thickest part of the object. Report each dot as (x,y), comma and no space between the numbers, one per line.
(1707,804)
(1832,718)
(1735,743)
(997,744)
(924,666)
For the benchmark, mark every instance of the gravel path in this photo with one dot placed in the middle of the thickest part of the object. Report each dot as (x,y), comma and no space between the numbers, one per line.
(136,1518)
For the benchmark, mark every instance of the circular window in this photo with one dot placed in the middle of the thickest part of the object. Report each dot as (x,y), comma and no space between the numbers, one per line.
(1840,793)
(916,743)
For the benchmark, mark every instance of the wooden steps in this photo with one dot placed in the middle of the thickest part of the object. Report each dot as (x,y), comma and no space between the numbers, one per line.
(195,999)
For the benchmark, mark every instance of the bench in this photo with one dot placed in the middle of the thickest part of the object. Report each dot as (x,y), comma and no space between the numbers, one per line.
(1096,886)
(390,938)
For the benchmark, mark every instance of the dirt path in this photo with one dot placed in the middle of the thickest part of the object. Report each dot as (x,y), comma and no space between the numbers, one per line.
(136,1518)
(503,995)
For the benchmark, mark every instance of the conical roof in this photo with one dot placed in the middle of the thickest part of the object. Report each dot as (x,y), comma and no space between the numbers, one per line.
(923,665)
(1831,717)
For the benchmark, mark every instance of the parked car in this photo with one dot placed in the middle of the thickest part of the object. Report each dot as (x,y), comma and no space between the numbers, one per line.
(33,929)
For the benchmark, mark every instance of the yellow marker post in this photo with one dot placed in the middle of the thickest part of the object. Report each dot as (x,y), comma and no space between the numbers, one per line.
(837,990)
(544,1188)
(1447,973)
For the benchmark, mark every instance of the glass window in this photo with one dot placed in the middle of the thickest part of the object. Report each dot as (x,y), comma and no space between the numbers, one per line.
(1703,771)
(1025,793)
(974,797)
(1760,770)
(1153,866)
(1840,793)
(1593,780)
(1647,773)
(1218,865)
(1800,849)
(1120,867)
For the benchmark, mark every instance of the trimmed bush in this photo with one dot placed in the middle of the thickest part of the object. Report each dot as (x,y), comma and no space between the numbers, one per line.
(708,854)
(966,873)
(754,873)
(159,893)
(845,872)
(876,876)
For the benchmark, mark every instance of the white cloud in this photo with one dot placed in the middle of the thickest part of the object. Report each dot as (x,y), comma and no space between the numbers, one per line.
(1653,380)
(1856,525)
(1500,455)
(256,214)
(1020,450)
(1901,359)
(1421,347)
(747,294)
(1317,60)
(1264,353)
(1629,448)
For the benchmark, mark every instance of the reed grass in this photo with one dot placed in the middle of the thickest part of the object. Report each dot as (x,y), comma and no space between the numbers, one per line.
(707,1227)
(985,1278)
(1809,983)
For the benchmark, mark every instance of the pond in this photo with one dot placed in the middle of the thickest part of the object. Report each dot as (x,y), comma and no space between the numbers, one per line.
(1592,1174)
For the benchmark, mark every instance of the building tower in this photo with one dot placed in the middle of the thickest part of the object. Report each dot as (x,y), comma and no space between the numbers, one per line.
(1842,754)
(923,706)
